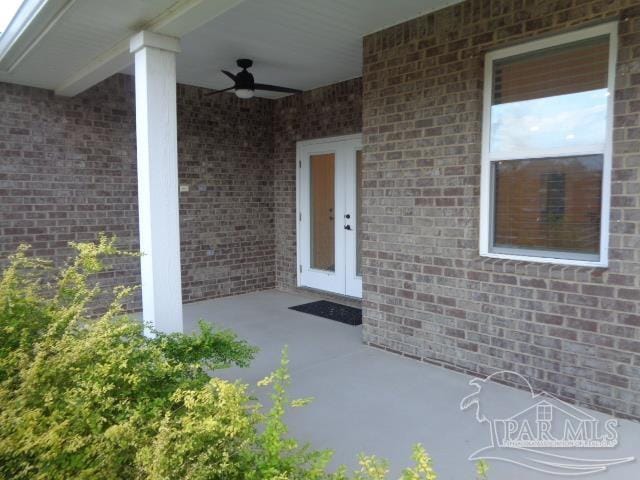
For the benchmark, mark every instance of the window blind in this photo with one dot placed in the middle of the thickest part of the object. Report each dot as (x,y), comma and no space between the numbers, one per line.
(548,204)
(573,68)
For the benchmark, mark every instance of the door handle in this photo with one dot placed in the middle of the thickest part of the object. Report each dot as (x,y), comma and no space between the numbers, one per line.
(347,227)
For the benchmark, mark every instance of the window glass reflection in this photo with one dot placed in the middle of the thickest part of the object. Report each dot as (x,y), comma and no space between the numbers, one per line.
(564,121)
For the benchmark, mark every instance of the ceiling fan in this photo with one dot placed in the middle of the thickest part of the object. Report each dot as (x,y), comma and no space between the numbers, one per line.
(244,85)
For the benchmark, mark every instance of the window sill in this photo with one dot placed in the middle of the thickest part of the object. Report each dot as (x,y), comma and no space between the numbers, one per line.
(546,260)
(519,265)
(538,269)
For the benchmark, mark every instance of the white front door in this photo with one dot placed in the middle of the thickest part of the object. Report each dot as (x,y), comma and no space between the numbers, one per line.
(329,206)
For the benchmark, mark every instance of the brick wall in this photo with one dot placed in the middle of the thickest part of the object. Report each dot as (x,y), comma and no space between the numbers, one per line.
(68,171)
(574,331)
(324,112)
(226,217)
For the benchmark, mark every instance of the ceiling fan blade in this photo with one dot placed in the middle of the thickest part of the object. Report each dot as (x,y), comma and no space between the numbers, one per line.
(220,91)
(230,75)
(274,88)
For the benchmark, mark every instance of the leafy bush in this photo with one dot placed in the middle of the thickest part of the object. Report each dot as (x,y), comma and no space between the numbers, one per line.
(94,398)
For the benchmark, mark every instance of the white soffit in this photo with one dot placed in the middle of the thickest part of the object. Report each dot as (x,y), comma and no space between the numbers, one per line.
(68,41)
(301,44)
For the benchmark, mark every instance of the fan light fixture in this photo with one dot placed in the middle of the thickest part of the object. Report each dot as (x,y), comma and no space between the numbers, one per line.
(245,87)
(244,92)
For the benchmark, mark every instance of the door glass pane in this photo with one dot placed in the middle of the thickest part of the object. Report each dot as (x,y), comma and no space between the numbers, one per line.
(359,213)
(322,201)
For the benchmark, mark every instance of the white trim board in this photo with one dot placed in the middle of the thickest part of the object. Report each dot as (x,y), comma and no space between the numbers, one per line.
(31,22)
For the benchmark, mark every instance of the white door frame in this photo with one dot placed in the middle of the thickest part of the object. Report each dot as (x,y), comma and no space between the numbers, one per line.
(353,282)
(301,237)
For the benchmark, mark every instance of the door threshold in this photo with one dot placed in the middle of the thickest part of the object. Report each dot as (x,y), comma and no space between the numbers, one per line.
(335,297)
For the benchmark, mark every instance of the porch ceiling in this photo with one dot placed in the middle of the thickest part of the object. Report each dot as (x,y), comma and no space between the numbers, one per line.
(304,44)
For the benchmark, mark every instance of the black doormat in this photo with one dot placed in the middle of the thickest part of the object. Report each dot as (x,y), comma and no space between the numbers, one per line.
(332,311)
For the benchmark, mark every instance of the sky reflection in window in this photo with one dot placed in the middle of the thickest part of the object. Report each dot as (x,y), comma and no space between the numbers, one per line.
(564,121)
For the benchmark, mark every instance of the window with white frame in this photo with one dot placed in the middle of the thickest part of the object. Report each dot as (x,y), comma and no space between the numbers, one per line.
(546,153)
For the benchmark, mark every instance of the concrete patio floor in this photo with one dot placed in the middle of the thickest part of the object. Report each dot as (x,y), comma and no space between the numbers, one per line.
(371,401)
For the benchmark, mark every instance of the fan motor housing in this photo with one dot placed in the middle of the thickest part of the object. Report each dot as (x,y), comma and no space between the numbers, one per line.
(244,80)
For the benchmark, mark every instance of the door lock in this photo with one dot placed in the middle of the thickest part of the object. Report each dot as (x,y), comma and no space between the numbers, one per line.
(347,227)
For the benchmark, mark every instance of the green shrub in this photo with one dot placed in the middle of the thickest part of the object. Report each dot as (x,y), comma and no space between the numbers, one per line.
(80,397)
(94,398)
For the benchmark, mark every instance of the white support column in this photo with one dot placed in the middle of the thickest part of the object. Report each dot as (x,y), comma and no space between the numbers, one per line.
(156,132)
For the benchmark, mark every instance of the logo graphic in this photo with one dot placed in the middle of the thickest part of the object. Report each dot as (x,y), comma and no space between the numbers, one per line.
(549,436)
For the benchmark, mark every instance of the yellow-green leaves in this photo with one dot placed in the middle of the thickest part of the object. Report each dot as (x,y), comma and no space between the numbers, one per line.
(482,470)
(423,469)
(94,398)
(85,397)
